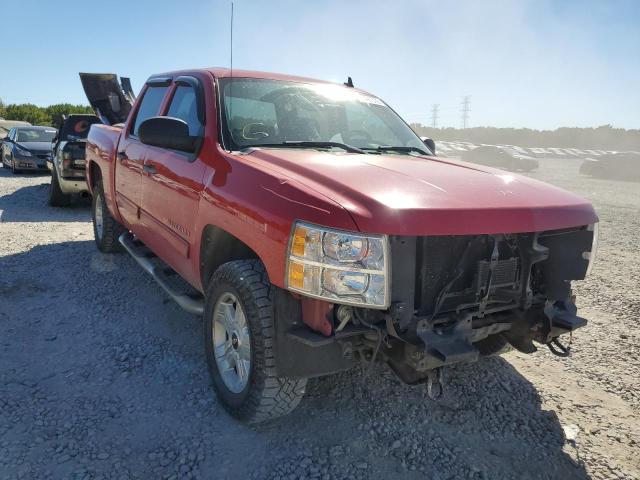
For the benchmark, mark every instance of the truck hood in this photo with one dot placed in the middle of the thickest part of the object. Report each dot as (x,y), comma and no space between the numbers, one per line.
(405,195)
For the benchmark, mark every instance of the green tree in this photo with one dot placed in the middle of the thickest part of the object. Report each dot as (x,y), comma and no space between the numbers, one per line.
(27,112)
(56,111)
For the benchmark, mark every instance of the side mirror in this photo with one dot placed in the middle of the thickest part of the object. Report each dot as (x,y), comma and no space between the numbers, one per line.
(167,132)
(430,144)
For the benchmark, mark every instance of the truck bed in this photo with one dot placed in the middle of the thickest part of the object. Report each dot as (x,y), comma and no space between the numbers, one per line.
(102,143)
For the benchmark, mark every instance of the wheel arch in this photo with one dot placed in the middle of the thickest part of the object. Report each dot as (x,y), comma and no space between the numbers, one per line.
(93,175)
(217,247)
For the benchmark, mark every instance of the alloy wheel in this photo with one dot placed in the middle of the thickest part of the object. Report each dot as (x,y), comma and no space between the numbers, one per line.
(231,342)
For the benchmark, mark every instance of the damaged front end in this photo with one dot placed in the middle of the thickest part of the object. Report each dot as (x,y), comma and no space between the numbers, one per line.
(456,298)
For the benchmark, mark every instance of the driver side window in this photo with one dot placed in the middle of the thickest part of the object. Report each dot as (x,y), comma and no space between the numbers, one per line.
(184,105)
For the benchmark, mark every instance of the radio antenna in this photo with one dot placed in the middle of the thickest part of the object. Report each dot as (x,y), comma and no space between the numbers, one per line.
(231,44)
(230,119)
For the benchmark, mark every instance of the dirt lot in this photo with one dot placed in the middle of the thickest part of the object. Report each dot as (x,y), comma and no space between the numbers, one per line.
(102,376)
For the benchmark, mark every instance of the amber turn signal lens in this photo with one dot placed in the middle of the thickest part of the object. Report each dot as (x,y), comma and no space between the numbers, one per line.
(299,241)
(296,275)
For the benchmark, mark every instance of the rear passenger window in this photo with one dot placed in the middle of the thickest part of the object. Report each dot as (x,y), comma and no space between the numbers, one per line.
(185,107)
(149,106)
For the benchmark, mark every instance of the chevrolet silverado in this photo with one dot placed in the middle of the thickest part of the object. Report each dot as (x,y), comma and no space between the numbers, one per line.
(313,231)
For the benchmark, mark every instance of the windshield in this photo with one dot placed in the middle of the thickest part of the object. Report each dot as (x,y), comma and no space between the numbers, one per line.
(275,112)
(36,135)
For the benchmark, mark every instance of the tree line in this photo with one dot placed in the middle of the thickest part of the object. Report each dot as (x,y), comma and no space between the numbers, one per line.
(605,137)
(35,115)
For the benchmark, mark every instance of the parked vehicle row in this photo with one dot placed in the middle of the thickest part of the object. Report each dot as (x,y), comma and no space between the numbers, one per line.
(613,166)
(27,148)
(501,157)
(317,232)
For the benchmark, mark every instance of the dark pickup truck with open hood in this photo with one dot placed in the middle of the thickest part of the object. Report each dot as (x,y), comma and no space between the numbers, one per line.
(67,162)
(313,230)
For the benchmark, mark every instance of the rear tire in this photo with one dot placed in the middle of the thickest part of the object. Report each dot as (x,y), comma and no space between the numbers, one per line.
(241,290)
(57,198)
(106,229)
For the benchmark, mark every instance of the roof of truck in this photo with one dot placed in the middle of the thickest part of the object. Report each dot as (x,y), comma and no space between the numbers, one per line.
(220,72)
(226,72)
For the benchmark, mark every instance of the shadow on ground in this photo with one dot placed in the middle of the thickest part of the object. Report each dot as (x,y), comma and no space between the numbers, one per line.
(102,375)
(29,204)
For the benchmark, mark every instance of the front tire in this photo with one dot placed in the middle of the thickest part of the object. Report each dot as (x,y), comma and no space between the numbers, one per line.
(239,344)
(57,198)
(106,229)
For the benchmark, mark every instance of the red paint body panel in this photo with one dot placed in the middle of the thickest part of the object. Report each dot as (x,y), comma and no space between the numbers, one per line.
(402,195)
(316,314)
(257,196)
(101,152)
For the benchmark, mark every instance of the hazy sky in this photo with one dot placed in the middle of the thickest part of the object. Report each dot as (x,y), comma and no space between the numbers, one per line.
(538,64)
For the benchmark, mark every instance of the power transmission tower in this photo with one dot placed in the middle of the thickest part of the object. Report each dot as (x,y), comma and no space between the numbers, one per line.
(434,114)
(466,101)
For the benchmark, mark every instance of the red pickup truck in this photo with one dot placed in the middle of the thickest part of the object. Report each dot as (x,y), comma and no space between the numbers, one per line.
(314,231)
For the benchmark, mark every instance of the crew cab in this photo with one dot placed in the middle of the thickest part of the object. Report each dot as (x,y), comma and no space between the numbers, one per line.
(313,230)
(67,163)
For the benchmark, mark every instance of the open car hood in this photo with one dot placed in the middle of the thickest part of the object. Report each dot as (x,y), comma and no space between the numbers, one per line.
(405,195)
(75,126)
(110,99)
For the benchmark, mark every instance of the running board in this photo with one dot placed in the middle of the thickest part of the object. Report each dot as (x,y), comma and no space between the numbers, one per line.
(140,253)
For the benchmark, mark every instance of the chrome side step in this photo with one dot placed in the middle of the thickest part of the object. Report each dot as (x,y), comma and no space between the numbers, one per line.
(141,255)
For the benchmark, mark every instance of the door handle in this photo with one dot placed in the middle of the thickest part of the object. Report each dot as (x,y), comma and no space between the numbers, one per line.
(122,156)
(150,169)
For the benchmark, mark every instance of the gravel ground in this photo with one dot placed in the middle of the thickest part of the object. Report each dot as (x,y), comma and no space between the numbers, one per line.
(102,376)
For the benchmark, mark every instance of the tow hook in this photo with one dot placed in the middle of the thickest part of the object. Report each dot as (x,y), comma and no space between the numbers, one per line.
(558,348)
(435,388)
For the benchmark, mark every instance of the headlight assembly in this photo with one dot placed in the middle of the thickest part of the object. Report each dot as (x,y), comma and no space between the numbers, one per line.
(338,266)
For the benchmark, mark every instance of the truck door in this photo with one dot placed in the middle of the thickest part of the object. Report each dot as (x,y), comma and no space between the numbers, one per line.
(172,182)
(130,156)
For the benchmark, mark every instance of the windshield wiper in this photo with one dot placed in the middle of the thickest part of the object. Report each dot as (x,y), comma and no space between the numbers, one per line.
(389,148)
(301,144)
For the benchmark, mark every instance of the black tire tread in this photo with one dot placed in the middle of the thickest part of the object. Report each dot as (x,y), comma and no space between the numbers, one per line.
(57,198)
(269,396)
(112,228)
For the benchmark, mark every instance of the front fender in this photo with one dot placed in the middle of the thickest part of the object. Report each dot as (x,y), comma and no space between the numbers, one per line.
(259,207)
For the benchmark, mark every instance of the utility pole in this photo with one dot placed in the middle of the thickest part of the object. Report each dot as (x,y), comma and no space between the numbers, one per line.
(466,101)
(434,114)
